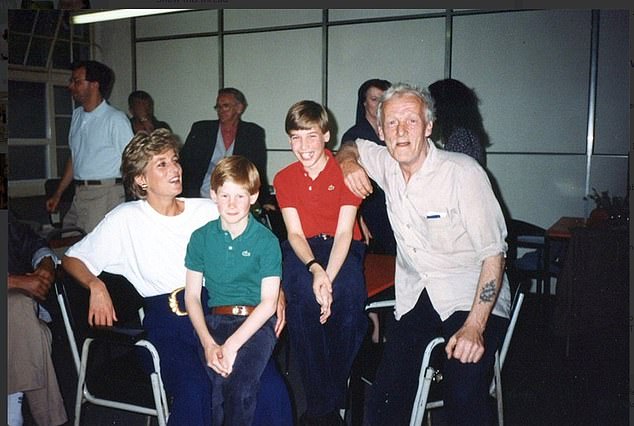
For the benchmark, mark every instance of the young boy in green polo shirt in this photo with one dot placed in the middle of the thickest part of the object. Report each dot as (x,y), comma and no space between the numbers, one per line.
(240,260)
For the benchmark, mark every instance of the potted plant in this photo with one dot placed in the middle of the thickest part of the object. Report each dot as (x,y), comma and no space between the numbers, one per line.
(609,211)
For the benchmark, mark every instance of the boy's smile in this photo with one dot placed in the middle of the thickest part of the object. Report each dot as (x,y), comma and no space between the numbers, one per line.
(308,145)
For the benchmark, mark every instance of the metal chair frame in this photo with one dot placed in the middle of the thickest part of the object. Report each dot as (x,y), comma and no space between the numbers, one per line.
(428,373)
(160,409)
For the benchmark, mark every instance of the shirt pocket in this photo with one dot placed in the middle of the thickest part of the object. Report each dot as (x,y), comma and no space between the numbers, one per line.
(440,230)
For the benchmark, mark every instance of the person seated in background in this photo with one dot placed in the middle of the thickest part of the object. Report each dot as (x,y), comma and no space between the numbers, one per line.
(374,221)
(145,241)
(322,265)
(30,371)
(141,107)
(209,141)
(450,281)
(241,262)
(458,126)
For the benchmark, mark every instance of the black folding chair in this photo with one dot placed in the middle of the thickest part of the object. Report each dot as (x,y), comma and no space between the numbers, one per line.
(108,359)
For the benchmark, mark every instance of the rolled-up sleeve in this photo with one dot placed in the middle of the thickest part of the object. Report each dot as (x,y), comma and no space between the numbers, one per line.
(374,158)
(481,213)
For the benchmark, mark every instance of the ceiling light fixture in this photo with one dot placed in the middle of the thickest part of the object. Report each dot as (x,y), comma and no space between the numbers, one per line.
(108,15)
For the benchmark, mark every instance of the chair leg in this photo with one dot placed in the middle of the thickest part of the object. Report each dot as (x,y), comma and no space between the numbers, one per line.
(428,422)
(158,401)
(425,376)
(81,380)
(420,402)
(342,411)
(498,389)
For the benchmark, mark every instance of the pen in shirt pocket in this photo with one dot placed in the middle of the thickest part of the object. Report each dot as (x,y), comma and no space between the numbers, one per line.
(435,215)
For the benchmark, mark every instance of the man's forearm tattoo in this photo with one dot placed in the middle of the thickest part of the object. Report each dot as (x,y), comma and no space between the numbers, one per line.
(487,295)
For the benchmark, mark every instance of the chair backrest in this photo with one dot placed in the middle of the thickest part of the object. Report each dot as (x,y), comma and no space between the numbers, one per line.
(276,224)
(523,235)
(74,299)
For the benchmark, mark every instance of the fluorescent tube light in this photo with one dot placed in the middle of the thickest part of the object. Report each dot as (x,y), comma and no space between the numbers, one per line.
(108,15)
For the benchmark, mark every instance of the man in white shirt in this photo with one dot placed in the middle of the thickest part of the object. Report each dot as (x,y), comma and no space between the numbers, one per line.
(450,235)
(98,134)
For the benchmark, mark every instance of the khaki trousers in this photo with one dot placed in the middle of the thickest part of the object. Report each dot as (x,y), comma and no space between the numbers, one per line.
(30,367)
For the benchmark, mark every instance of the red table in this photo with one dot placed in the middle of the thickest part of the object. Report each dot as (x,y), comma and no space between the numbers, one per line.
(560,230)
(379,272)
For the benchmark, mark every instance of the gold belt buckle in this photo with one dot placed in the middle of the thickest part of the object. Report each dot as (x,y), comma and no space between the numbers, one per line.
(173,302)
(239,310)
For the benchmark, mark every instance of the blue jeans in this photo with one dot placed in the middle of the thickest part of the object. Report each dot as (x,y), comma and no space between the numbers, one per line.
(325,352)
(183,375)
(234,397)
(466,386)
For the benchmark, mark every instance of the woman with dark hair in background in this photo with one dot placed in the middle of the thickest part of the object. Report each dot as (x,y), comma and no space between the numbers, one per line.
(375,224)
(458,125)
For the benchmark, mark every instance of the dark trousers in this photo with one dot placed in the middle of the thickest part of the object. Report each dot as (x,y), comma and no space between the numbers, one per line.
(234,397)
(325,352)
(466,386)
(183,374)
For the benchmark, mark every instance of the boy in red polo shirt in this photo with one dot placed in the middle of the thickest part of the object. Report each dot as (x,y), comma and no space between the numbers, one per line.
(322,273)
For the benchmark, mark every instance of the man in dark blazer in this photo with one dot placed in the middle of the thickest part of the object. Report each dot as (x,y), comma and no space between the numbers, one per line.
(211,140)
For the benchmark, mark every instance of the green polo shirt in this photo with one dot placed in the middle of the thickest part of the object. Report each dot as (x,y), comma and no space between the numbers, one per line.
(234,268)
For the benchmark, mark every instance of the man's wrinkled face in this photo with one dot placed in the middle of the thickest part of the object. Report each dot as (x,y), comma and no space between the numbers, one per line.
(404,129)
(228,108)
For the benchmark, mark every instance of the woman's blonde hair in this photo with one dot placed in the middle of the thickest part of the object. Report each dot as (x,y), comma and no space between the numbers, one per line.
(138,154)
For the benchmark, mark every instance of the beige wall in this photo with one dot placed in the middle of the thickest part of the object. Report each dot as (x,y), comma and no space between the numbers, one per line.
(531,70)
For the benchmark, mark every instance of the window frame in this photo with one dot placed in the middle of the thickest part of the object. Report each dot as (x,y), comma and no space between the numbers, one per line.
(34,187)
(50,77)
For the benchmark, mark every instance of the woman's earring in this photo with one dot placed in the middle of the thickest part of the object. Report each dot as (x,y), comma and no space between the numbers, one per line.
(144,186)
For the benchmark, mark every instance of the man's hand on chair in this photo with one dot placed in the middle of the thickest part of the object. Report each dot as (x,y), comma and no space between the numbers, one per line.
(467,345)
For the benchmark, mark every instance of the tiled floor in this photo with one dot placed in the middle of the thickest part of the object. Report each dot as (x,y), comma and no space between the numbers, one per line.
(542,386)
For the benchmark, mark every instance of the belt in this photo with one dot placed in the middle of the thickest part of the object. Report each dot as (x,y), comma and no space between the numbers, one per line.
(322,237)
(94,182)
(240,310)
(173,301)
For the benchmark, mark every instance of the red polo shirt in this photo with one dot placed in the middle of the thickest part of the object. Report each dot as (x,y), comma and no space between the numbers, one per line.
(317,201)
